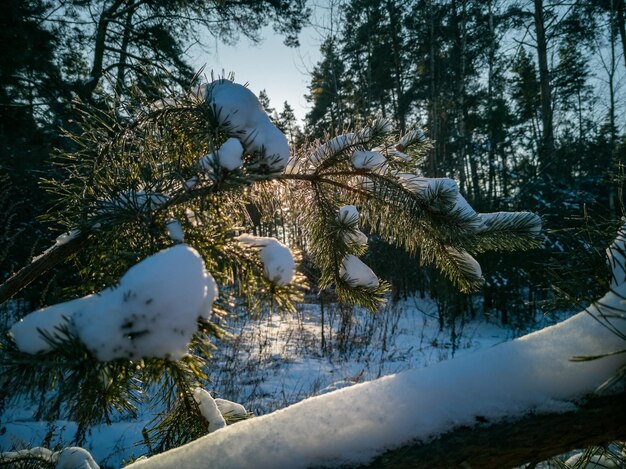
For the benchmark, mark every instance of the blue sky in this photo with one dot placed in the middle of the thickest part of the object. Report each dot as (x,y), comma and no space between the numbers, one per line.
(269,65)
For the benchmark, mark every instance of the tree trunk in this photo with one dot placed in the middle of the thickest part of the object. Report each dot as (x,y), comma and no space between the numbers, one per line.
(395,29)
(87,87)
(620,7)
(546,152)
(491,150)
(530,439)
(433,94)
(121,69)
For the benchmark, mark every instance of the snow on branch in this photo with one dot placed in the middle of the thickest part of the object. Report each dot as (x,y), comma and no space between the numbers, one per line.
(153,312)
(340,143)
(72,457)
(532,375)
(239,111)
(279,265)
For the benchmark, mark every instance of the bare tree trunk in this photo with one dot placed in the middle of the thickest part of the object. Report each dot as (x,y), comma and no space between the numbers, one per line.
(121,69)
(611,71)
(397,62)
(86,88)
(434,133)
(620,7)
(546,152)
(491,151)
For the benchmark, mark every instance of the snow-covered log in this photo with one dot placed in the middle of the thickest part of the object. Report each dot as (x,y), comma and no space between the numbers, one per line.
(510,384)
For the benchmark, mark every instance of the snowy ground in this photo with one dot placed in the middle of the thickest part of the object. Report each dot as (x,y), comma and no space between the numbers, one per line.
(272,362)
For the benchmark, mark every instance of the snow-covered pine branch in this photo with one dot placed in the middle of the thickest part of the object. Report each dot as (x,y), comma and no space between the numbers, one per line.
(190,170)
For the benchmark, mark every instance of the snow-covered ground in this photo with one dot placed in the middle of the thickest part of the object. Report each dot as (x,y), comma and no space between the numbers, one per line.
(272,362)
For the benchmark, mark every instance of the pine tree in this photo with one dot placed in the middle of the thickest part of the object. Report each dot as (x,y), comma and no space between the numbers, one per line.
(137,183)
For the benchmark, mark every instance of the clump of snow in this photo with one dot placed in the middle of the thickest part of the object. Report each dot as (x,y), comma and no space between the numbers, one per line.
(75,458)
(269,139)
(416,184)
(190,183)
(332,147)
(66,237)
(278,263)
(209,409)
(410,137)
(369,160)
(175,230)
(230,409)
(428,190)
(27,333)
(240,111)
(39,452)
(357,274)
(532,221)
(349,214)
(153,312)
(469,263)
(344,141)
(228,155)
(68,458)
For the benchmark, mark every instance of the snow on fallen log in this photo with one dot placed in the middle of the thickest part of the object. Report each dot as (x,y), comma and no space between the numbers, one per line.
(532,374)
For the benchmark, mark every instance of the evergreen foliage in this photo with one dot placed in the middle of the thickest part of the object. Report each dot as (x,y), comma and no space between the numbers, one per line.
(136,167)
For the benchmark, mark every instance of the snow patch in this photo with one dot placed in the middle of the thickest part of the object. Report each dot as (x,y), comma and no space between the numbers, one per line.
(357,274)
(369,160)
(278,263)
(175,230)
(68,458)
(240,111)
(228,155)
(153,312)
(66,237)
(75,458)
(350,215)
(230,409)
(208,409)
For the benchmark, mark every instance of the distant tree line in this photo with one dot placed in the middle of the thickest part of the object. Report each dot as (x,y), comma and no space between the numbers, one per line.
(525,104)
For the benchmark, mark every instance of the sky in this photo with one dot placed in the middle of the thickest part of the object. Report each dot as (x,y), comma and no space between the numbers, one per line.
(281,71)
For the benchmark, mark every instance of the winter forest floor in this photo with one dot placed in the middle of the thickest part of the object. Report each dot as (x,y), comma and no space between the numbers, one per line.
(272,362)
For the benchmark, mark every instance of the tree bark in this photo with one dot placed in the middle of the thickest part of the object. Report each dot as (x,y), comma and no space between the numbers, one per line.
(121,69)
(39,266)
(546,152)
(532,438)
(86,88)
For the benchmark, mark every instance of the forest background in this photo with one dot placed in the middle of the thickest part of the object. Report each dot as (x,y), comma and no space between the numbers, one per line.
(524,102)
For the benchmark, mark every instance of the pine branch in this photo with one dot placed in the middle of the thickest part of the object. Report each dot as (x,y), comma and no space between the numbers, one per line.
(39,266)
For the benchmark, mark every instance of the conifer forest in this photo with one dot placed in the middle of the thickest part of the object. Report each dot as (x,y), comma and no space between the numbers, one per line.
(424,268)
